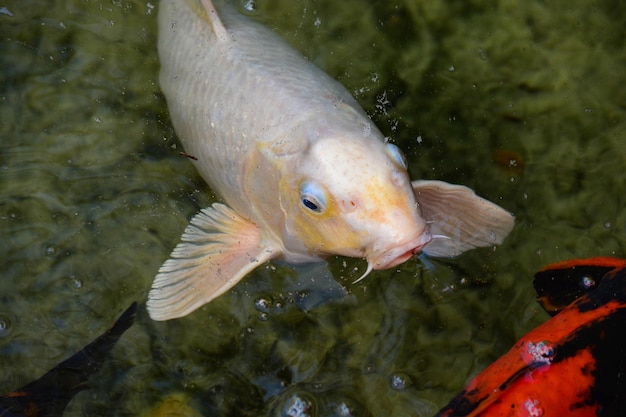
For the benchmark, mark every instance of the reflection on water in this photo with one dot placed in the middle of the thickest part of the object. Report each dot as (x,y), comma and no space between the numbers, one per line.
(520,101)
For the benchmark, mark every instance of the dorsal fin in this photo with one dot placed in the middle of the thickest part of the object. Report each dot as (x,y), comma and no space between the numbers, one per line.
(214,20)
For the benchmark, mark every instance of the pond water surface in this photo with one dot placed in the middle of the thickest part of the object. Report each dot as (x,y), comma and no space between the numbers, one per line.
(523,101)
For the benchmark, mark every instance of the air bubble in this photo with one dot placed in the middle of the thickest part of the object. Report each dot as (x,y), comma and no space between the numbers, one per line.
(6,326)
(248,7)
(540,352)
(533,408)
(342,409)
(370,368)
(299,406)
(399,381)
(51,250)
(263,304)
(587,282)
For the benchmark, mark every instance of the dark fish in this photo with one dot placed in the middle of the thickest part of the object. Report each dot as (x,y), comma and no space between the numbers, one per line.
(49,395)
(572,365)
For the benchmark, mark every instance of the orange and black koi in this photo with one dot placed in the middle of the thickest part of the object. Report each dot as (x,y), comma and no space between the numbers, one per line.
(572,365)
(49,395)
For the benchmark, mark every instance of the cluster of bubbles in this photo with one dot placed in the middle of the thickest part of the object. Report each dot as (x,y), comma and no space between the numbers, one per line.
(266,306)
(302,403)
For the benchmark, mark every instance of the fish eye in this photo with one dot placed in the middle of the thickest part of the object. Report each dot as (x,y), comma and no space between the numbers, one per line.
(312,197)
(396,154)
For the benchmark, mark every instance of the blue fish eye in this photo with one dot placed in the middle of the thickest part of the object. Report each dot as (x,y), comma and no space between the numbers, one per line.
(312,197)
(396,154)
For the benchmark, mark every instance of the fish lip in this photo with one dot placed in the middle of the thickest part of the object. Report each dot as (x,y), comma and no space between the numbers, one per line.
(400,253)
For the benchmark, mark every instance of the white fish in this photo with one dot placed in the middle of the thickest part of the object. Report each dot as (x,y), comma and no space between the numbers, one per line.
(302,169)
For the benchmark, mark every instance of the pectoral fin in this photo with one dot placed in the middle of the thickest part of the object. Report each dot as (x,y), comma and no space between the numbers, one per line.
(218,248)
(459,220)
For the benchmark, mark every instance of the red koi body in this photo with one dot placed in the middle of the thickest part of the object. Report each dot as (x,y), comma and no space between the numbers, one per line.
(572,365)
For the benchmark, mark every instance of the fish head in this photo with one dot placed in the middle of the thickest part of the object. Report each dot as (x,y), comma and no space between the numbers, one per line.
(352,197)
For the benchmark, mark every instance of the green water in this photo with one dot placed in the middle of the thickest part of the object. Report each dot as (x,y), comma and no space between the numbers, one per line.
(524,101)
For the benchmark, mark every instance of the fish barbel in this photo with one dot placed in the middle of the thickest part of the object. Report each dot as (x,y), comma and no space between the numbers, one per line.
(301,168)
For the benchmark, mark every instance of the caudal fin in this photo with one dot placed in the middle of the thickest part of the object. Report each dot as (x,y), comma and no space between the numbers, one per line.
(49,395)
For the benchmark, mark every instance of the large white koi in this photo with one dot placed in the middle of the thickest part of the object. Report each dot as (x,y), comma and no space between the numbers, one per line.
(301,168)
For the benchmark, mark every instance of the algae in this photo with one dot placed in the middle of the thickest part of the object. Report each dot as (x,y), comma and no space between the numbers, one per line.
(521,100)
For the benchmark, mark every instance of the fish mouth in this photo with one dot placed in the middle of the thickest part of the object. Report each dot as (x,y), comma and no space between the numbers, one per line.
(400,253)
(397,255)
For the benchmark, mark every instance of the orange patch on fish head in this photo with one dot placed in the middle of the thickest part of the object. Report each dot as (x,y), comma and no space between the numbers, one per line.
(354,198)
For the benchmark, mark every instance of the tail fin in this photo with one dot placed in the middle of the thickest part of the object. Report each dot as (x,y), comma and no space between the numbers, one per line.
(49,395)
